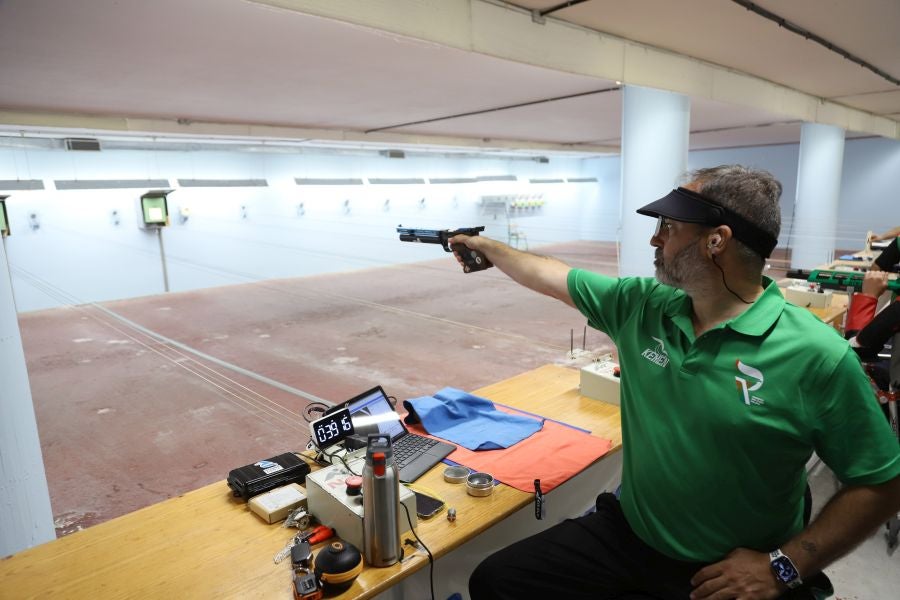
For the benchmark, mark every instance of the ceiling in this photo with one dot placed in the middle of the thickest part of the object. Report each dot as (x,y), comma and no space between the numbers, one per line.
(390,73)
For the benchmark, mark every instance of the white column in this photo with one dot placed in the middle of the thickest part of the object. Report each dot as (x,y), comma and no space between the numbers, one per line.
(26,518)
(818,193)
(655,129)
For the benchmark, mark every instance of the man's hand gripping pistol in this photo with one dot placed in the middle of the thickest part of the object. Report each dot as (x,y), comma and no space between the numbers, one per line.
(473,260)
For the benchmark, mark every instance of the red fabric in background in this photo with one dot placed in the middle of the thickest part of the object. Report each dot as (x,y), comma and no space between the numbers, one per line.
(554,454)
(862,310)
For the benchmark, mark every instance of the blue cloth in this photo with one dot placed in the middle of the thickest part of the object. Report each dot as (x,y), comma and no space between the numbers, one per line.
(469,421)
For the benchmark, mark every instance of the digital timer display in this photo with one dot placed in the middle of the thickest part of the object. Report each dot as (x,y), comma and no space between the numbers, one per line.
(331,429)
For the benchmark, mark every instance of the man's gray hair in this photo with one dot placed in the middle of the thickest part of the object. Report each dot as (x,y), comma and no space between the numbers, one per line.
(751,193)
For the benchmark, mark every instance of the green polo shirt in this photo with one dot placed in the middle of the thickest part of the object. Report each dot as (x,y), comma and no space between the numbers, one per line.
(717,429)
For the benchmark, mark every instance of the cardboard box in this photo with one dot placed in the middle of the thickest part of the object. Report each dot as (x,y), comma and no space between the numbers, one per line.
(275,505)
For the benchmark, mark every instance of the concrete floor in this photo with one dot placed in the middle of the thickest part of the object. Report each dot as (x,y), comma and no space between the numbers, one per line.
(870,572)
(127,420)
(144,399)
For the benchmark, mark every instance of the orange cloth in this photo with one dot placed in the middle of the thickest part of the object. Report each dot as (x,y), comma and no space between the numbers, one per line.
(554,454)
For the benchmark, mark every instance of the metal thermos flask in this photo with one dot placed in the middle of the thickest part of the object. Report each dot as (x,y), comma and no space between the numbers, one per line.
(381,503)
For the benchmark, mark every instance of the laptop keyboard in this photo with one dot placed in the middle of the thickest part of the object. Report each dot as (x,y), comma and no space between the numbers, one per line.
(407,448)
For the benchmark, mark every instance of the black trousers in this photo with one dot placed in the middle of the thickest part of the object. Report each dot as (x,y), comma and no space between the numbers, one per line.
(596,556)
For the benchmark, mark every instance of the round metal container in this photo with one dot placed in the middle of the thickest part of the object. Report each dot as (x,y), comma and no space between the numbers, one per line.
(456,474)
(480,484)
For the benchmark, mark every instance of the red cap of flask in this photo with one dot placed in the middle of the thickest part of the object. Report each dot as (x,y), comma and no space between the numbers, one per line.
(378,464)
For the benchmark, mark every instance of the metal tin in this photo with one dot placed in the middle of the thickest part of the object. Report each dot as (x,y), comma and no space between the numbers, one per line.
(456,474)
(480,484)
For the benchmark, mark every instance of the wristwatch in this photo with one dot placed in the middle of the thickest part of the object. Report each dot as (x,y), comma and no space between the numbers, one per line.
(784,569)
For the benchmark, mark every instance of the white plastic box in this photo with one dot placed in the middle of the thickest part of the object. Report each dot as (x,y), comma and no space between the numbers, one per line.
(599,382)
(805,297)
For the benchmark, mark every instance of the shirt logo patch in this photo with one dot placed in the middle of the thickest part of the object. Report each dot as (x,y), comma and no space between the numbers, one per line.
(745,387)
(658,355)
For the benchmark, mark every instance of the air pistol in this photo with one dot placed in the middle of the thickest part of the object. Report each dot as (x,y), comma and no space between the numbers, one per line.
(473,260)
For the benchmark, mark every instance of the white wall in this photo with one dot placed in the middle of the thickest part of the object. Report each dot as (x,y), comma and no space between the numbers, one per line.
(600,216)
(870,184)
(80,254)
(870,189)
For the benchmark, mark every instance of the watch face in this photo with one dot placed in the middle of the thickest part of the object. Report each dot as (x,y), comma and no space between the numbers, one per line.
(784,569)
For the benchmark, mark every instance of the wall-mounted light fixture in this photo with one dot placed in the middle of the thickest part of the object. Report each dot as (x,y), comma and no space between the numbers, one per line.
(184,213)
(114,218)
(347,206)
(34,222)
(4,217)
(153,209)
(301,210)
(387,205)
(421,203)
(243,211)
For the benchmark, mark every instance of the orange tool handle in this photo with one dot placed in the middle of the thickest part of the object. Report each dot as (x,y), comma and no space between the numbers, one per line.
(319,533)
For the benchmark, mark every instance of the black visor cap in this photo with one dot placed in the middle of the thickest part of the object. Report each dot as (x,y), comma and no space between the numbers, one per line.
(682,204)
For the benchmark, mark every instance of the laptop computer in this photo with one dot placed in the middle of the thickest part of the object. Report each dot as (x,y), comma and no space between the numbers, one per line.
(413,454)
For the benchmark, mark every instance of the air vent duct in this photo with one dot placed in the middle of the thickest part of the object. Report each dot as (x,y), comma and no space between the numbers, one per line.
(393,153)
(83,144)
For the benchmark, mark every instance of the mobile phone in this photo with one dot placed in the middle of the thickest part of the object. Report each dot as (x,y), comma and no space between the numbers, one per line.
(426,506)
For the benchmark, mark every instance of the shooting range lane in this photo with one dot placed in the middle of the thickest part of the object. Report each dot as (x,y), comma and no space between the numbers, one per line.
(126,420)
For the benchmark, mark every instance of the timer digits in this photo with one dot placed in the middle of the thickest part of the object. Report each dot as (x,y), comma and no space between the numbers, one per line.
(331,429)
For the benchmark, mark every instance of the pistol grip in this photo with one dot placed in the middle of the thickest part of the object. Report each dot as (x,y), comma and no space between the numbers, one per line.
(473,260)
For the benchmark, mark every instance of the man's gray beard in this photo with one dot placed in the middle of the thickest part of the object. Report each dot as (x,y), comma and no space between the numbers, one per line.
(686,269)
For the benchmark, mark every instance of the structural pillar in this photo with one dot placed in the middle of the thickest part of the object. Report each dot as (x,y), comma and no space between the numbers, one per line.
(26,518)
(818,193)
(655,130)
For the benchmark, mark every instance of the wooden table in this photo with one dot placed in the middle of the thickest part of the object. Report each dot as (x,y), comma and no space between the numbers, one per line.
(863,264)
(834,314)
(206,544)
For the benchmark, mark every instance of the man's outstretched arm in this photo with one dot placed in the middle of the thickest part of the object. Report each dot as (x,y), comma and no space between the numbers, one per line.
(887,235)
(540,273)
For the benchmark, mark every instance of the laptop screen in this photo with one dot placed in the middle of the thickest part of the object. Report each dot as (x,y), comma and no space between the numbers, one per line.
(372,413)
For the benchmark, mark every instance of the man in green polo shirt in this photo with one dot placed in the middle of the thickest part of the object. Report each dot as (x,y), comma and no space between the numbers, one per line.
(726,392)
